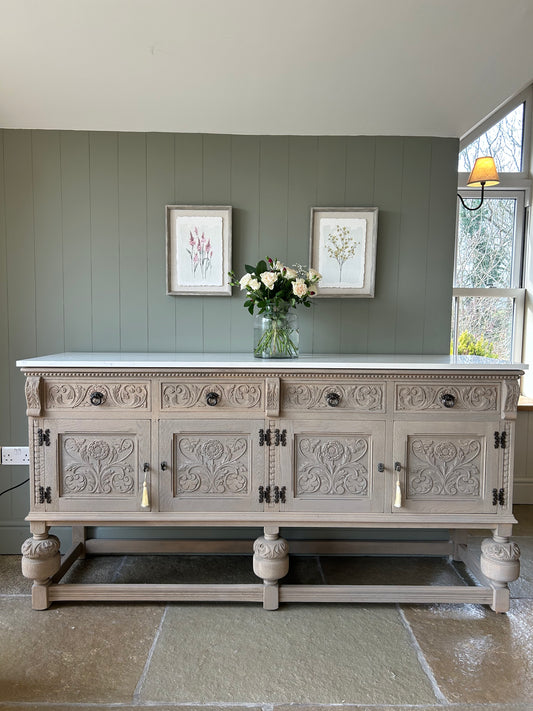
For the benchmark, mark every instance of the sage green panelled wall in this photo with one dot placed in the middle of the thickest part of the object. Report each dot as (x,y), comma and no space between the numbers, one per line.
(82,247)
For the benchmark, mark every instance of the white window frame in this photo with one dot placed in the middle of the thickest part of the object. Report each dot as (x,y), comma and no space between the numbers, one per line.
(516,291)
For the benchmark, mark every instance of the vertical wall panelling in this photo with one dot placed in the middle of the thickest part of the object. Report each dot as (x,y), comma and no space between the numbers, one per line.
(273,207)
(19,225)
(105,266)
(132,240)
(245,245)
(303,163)
(5,365)
(360,161)
(413,245)
(160,192)
(440,248)
(76,229)
(388,198)
(48,241)
(217,191)
(331,192)
(188,186)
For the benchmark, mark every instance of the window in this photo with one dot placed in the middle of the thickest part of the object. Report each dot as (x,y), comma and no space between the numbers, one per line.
(488,298)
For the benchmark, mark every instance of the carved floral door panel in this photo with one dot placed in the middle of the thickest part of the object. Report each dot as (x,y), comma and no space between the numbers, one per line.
(447,472)
(211,465)
(96,465)
(332,466)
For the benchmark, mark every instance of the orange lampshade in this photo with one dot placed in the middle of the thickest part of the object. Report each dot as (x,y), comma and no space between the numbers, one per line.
(483,173)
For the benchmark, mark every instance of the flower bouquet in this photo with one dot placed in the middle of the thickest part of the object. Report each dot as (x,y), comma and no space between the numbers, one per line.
(274,289)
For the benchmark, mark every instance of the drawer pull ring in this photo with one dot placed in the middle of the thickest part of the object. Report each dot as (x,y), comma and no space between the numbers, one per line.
(333,399)
(97,398)
(212,399)
(447,399)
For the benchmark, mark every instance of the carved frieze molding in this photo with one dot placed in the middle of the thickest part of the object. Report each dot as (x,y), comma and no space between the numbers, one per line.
(368,397)
(478,398)
(195,395)
(255,375)
(64,395)
(33,396)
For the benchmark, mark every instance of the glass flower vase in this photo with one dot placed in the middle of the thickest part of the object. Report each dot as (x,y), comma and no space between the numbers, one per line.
(276,333)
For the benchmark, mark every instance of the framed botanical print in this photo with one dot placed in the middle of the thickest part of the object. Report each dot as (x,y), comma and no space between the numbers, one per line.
(198,250)
(343,250)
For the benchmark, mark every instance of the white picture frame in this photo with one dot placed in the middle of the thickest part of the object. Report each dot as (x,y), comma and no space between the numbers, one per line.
(198,250)
(343,249)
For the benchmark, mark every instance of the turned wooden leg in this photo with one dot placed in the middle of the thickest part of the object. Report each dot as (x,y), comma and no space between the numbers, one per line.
(40,561)
(271,562)
(500,563)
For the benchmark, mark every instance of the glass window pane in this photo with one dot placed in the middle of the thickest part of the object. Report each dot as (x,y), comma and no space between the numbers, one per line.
(485,326)
(485,243)
(503,142)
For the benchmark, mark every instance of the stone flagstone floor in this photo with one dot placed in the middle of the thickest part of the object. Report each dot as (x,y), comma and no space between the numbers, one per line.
(234,656)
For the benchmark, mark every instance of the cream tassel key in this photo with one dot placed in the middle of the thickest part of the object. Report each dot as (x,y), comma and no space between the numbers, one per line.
(398,490)
(145,501)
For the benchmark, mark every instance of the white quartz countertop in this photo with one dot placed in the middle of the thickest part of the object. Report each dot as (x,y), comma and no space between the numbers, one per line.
(247,361)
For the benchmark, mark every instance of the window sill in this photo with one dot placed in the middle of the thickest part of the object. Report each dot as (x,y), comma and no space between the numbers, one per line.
(525,403)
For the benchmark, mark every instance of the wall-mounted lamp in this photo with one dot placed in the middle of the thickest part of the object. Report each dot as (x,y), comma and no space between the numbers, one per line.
(483,173)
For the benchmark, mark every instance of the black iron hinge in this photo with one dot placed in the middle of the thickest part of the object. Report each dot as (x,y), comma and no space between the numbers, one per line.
(45,495)
(44,437)
(265,437)
(500,439)
(498,497)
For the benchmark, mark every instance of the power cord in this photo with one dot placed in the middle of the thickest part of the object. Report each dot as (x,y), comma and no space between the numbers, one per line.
(14,487)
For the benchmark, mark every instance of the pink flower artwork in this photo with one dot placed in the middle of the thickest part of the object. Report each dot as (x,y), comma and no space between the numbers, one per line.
(200,252)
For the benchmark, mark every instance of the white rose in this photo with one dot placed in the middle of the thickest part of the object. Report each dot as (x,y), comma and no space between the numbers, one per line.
(278,266)
(313,275)
(299,287)
(269,279)
(245,281)
(254,284)
(291,273)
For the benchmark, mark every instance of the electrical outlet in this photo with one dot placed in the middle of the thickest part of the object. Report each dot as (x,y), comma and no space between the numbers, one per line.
(15,455)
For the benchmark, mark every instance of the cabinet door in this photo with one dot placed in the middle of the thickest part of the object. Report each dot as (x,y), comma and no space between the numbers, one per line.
(332,466)
(96,465)
(211,465)
(446,468)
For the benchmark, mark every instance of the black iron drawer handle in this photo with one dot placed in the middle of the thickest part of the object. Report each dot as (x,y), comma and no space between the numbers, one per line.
(212,399)
(333,399)
(97,398)
(447,399)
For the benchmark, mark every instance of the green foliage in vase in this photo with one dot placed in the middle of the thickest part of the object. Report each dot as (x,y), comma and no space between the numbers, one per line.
(272,286)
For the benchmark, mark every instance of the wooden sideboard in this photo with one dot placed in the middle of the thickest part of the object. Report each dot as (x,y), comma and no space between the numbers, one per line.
(370,442)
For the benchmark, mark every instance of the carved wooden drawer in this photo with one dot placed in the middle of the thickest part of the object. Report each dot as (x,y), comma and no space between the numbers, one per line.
(447,396)
(333,395)
(95,395)
(211,395)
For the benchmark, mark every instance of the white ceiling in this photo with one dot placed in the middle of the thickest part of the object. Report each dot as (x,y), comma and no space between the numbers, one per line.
(332,67)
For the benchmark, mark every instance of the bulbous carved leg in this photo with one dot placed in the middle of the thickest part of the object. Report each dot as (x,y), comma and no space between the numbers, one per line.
(500,563)
(271,562)
(40,561)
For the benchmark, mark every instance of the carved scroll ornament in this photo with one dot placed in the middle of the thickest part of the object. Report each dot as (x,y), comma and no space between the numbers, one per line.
(119,395)
(478,398)
(104,466)
(444,467)
(175,396)
(365,397)
(336,467)
(212,466)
